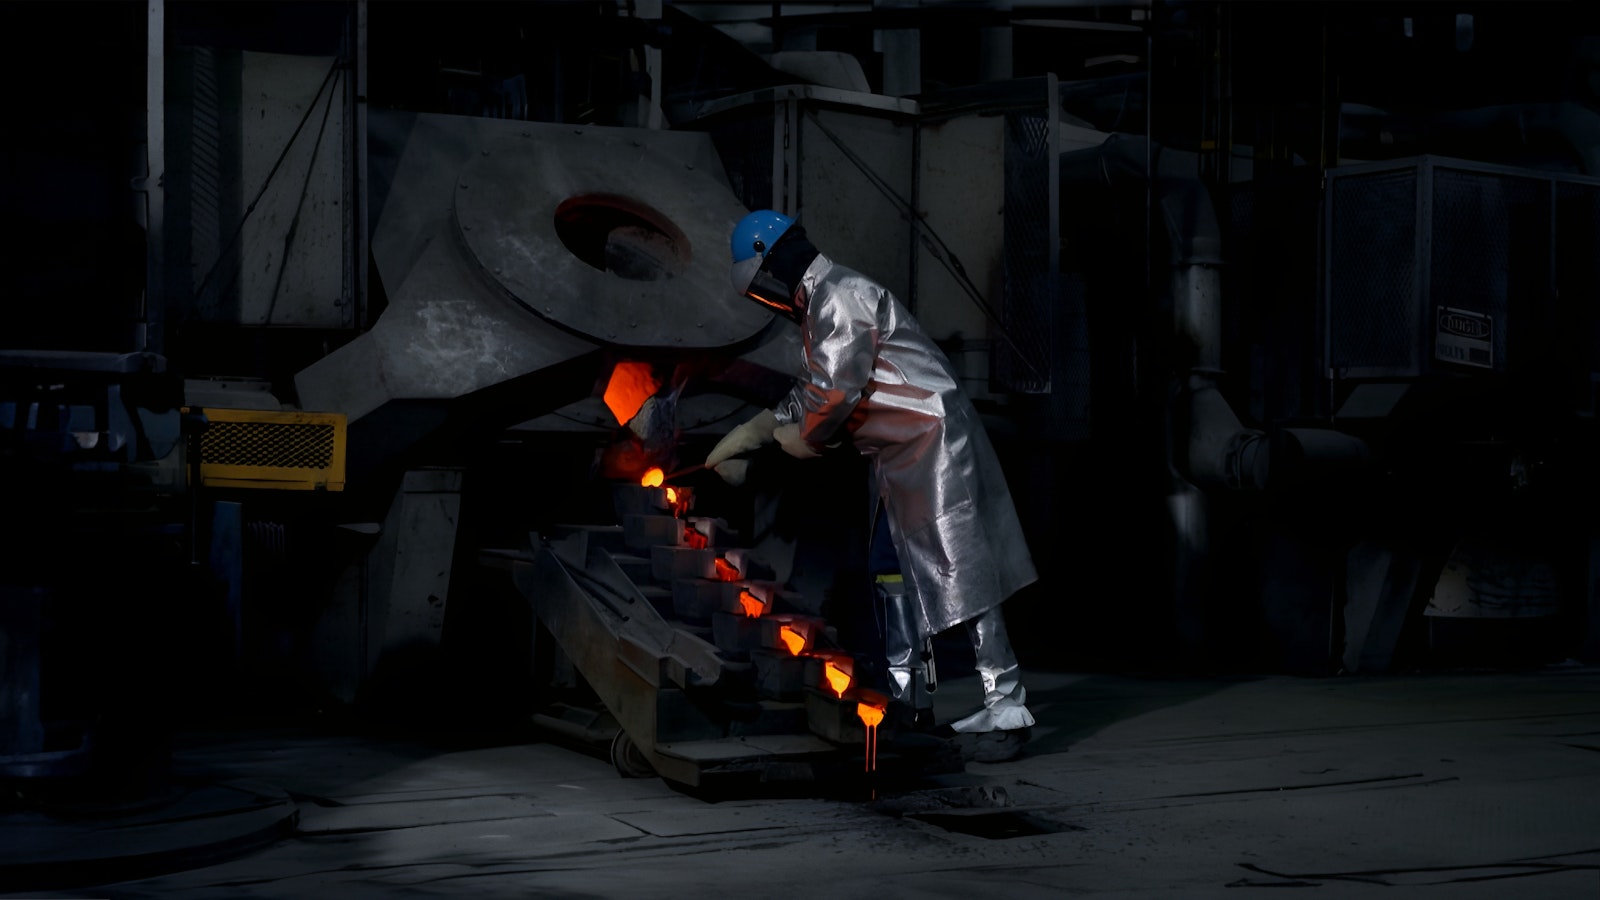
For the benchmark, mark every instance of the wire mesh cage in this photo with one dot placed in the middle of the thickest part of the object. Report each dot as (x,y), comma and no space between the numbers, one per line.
(1436,266)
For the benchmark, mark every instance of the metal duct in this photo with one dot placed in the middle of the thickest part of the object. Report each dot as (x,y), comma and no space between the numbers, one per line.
(1214,450)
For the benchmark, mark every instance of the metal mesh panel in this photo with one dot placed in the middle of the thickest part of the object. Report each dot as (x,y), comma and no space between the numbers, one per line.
(205,148)
(1031,279)
(1491,241)
(1489,249)
(1372,302)
(275,445)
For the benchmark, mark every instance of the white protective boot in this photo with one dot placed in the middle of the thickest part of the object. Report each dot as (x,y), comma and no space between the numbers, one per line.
(998,731)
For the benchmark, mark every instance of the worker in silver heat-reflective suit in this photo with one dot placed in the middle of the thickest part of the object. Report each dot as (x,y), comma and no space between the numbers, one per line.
(871,371)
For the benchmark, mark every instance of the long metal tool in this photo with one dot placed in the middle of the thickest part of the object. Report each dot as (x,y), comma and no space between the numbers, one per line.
(682,472)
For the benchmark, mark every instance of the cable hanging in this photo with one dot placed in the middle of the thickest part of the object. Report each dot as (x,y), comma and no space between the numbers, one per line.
(931,240)
(222,252)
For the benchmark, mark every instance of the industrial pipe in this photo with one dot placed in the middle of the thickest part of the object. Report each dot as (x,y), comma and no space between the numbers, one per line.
(1213,449)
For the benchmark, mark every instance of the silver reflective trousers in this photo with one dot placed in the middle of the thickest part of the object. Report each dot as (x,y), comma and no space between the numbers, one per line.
(912,677)
(1004,698)
(908,654)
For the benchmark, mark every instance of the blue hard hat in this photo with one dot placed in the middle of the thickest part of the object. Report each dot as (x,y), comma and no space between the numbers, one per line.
(752,239)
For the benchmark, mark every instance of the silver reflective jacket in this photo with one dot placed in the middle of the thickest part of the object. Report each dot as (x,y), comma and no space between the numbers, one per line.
(869,368)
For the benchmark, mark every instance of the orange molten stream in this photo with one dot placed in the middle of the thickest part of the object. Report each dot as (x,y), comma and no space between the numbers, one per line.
(838,679)
(726,570)
(672,495)
(792,639)
(870,717)
(631,384)
(750,603)
(653,477)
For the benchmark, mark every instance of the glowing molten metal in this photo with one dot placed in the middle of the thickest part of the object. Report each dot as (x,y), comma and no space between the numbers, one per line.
(750,604)
(870,717)
(692,538)
(726,570)
(631,384)
(653,477)
(838,679)
(792,639)
(672,495)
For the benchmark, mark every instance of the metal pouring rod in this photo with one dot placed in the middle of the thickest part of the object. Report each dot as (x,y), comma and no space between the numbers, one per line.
(690,470)
(682,472)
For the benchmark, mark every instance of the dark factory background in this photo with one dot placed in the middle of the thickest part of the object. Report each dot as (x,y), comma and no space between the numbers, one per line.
(1284,318)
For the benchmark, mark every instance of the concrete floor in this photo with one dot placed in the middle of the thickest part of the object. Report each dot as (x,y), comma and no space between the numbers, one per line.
(1461,785)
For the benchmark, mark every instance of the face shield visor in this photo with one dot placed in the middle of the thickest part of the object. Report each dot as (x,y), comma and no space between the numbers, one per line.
(752,242)
(766,289)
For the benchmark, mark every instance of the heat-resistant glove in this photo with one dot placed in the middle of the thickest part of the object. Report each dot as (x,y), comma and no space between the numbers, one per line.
(745,437)
(733,471)
(788,437)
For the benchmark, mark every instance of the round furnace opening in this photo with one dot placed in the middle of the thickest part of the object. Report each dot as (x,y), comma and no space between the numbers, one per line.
(622,236)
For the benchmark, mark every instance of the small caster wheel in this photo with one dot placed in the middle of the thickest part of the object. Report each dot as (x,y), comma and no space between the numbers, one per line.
(628,759)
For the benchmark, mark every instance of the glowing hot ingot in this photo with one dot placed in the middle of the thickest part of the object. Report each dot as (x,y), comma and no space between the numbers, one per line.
(750,604)
(792,638)
(653,477)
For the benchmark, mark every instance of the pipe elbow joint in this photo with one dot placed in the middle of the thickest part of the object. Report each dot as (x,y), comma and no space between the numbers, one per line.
(1232,461)
(1303,455)
(1221,453)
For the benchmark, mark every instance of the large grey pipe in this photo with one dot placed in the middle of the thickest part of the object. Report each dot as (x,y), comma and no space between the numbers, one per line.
(1208,448)
(1215,450)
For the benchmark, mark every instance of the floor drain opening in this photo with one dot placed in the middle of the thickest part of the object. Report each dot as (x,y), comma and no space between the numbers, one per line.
(997,826)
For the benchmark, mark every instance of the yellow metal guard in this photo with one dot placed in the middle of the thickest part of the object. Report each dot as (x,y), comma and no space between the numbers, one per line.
(278,449)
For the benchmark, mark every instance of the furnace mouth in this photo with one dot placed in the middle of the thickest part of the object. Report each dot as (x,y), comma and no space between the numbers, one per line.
(622,236)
